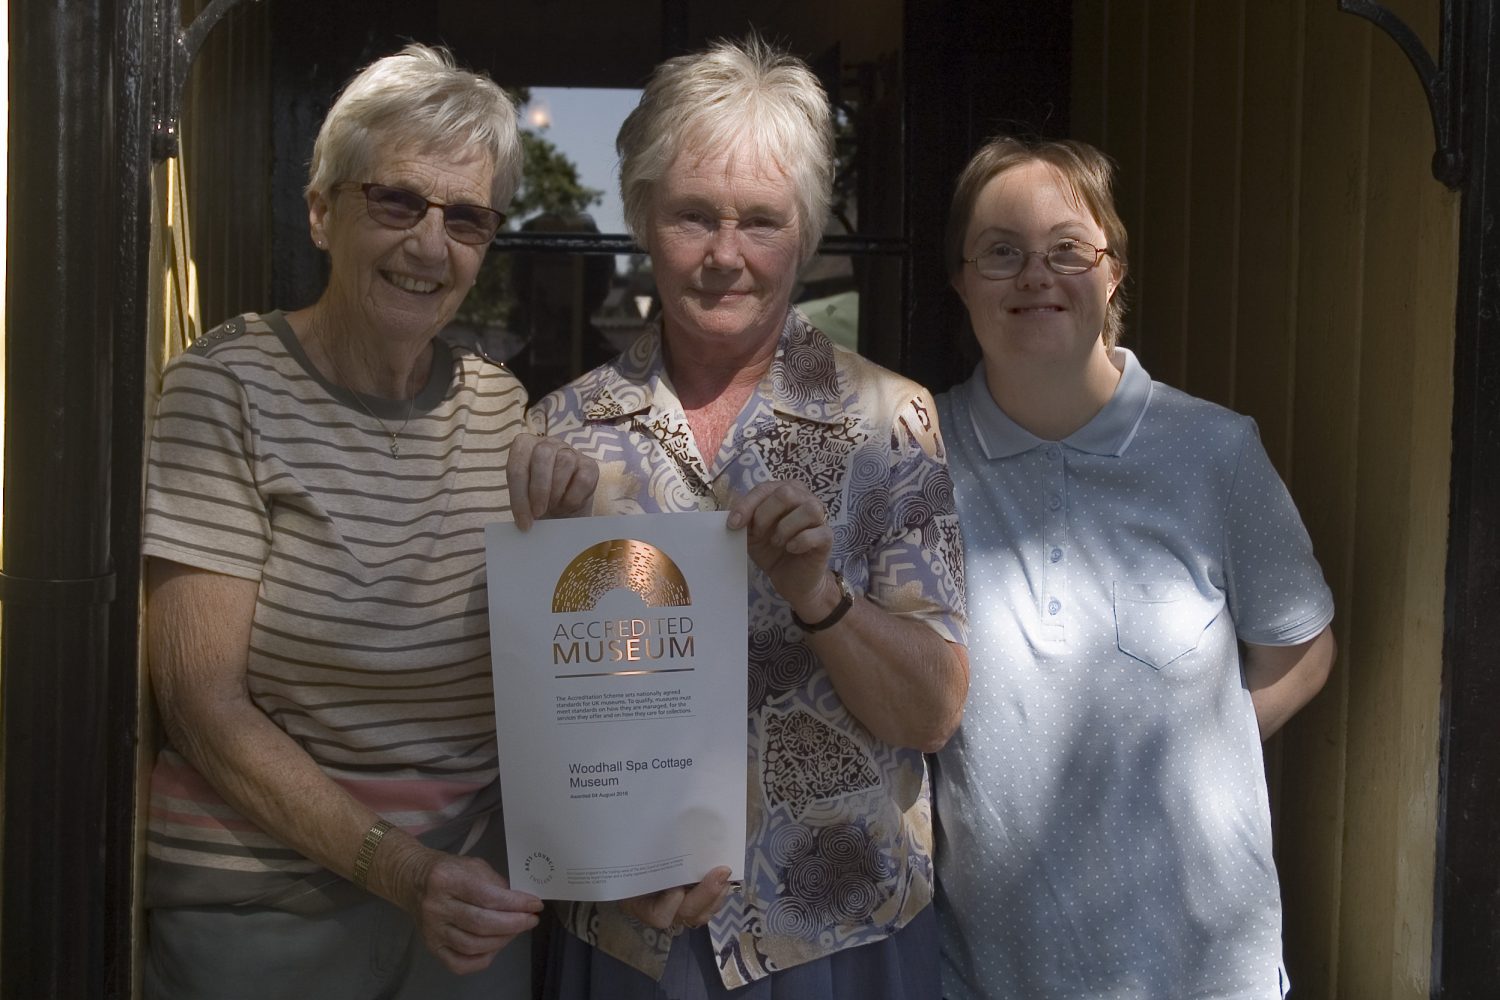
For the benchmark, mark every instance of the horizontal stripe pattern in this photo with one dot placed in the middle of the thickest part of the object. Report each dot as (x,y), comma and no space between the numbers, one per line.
(370,645)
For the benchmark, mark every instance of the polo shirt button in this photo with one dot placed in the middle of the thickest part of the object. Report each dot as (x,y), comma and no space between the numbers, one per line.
(1056,555)
(1053,452)
(1054,606)
(1054,501)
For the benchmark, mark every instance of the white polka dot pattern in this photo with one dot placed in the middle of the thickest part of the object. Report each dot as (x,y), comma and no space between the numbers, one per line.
(1104,829)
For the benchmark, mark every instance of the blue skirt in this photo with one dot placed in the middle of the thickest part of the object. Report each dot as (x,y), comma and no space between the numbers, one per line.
(903,966)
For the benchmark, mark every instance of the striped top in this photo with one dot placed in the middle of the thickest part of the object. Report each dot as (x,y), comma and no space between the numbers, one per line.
(370,643)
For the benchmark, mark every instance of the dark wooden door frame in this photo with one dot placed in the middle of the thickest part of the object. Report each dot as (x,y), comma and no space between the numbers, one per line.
(1466,929)
(1463,94)
(81,75)
(92,84)
(78,238)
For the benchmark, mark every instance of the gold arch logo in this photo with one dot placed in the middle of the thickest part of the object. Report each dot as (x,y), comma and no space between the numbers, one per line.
(620,563)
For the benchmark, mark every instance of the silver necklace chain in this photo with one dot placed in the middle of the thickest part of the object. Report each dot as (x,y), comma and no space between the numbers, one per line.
(392,434)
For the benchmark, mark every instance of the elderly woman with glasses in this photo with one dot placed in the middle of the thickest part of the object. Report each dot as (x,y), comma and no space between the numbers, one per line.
(834,470)
(1145,607)
(324,817)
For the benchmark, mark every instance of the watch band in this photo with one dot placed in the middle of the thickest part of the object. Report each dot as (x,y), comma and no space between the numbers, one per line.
(846,601)
(373,836)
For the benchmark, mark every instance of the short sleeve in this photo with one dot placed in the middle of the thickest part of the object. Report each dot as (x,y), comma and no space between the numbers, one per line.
(1275,587)
(918,567)
(203,506)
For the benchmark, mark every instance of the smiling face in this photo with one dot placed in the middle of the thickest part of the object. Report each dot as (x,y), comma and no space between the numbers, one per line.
(1039,315)
(393,283)
(723,241)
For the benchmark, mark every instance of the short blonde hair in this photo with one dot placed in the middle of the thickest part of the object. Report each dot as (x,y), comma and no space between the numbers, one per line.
(735,94)
(1087,171)
(417,98)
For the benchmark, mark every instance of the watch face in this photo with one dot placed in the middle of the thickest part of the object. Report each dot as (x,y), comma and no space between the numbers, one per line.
(844,587)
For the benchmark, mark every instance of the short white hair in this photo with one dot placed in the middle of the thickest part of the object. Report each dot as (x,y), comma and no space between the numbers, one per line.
(417,98)
(733,95)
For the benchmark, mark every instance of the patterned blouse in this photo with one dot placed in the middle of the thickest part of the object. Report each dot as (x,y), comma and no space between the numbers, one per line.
(839,827)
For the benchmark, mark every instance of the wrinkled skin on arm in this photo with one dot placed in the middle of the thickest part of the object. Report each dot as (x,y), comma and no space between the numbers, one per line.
(198,625)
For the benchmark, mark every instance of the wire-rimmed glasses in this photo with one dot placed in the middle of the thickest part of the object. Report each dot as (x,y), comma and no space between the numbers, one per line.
(1004,260)
(398,208)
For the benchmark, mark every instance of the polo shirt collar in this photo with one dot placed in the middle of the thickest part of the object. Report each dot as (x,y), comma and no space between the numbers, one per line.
(1109,432)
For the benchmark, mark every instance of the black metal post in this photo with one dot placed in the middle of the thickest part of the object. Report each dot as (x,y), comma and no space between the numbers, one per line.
(140,45)
(1466,932)
(57,580)
(952,107)
(934,148)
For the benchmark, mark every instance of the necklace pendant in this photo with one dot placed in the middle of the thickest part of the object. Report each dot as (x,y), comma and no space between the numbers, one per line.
(395,448)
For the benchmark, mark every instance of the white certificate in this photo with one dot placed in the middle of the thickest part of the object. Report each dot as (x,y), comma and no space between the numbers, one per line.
(620,649)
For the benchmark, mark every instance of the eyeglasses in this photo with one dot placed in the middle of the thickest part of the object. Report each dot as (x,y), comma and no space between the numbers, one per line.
(399,208)
(1066,257)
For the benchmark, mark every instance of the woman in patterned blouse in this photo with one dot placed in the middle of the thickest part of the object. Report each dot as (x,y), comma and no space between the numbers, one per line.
(834,469)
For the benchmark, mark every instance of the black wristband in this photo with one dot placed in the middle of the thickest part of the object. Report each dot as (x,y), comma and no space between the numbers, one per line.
(846,601)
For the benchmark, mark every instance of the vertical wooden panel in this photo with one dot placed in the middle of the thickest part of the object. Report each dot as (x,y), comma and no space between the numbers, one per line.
(1212,247)
(227,154)
(1128,34)
(1091,71)
(1163,246)
(1269,197)
(1329,237)
(1435,244)
(1374,599)
(1304,135)
(1391,773)
(1271,133)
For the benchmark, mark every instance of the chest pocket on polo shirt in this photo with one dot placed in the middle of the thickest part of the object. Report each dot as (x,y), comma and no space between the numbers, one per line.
(1157,623)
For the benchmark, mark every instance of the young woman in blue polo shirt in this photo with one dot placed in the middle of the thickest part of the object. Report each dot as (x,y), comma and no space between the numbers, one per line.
(1145,608)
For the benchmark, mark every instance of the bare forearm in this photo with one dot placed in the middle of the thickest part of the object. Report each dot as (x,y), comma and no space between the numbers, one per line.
(199,625)
(898,677)
(199,632)
(272,782)
(1282,679)
(464,910)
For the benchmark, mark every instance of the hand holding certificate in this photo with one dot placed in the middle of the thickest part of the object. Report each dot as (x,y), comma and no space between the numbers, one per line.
(619,655)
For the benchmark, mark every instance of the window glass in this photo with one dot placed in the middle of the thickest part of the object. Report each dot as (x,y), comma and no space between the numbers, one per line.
(551,313)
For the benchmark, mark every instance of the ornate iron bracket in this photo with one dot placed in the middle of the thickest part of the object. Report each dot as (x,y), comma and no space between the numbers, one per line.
(1443,83)
(173,66)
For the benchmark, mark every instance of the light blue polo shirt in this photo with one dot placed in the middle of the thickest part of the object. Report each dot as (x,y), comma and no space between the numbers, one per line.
(1104,826)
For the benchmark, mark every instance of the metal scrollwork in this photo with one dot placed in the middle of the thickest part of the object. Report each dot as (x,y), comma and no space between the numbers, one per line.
(175,64)
(1442,81)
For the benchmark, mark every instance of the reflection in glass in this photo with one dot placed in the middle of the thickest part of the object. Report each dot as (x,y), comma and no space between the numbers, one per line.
(560,314)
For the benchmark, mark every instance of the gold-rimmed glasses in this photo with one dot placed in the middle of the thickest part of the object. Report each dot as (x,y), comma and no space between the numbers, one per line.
(1003,260)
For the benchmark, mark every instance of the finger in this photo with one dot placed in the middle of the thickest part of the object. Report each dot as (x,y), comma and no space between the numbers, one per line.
(518,478)
(580,489)
(705,899)
(465,943)
(783,514)
(480,923)
(743,507)
(778,527)
(810,540)
(461,964)
(543,466)
(657,909)
(470,882)
(564,468)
